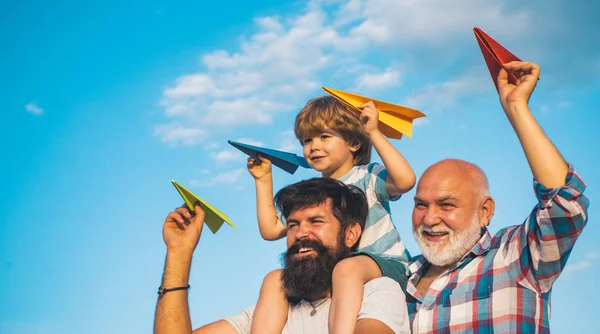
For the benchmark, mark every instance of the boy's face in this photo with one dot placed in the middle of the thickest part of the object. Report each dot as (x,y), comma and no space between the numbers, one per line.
(328,153)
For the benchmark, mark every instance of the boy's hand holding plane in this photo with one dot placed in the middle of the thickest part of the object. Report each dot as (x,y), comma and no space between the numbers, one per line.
(369,117)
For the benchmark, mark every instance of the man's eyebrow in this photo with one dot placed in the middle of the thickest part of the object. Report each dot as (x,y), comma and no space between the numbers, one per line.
(317,216)
(310,218)
(445,198)
(438,200)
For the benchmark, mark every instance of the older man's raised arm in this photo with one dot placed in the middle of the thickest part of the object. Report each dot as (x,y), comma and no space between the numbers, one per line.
(548,166)
(181,233)
(540,247)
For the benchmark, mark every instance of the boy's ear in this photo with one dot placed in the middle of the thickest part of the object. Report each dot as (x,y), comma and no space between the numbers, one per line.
(354,148)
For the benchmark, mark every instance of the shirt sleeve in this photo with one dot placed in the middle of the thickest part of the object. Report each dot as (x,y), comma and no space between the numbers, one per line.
(378,177)
(539,248)
(384,301)
(242,322)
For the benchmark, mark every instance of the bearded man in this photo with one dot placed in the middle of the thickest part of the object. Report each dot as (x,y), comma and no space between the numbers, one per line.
(468,281)
(324,219)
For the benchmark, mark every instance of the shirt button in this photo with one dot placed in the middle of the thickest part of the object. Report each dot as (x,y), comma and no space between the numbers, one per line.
(429,302)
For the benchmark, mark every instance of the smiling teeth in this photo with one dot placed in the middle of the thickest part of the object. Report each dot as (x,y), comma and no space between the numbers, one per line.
(436,233)
(304,249)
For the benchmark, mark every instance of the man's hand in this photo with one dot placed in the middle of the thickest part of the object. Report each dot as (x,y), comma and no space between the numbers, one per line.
(259,168)
(369,117)
(182,229)
(512,96)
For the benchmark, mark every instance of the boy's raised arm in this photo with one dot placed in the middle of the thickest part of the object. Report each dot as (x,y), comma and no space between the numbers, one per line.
(401,177)
(270,227)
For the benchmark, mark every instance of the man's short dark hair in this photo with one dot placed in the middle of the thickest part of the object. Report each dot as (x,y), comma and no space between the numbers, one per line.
(348,202)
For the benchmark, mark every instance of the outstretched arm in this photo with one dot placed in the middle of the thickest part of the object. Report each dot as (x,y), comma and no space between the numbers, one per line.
(181,233)
(401,177)
(548,166)
(539,248)
(270,227)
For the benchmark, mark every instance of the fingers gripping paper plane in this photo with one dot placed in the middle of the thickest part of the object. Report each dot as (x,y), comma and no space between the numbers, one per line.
(289,162)
(495,55)
(213,218)
(394,120)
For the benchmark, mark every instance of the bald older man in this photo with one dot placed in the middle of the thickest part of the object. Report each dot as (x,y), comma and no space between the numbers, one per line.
(468,281)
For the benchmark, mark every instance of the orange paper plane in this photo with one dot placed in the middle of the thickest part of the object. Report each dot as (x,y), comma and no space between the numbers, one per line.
(495,55)
(394,120)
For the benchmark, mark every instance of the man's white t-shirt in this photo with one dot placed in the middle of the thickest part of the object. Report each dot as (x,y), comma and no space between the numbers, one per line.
(383,300)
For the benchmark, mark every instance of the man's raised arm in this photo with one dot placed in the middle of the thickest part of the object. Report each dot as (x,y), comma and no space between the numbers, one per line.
(548,166)
(181,233)
(540,247)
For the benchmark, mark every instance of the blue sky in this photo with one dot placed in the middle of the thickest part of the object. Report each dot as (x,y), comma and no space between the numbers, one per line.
(104,103)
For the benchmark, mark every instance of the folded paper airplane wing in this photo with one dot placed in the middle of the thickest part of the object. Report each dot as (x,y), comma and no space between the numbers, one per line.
(213,218)
(495,55)
(394,120)
(289,162)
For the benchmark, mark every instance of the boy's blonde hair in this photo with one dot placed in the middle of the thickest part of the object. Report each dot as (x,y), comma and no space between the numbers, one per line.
(325,112)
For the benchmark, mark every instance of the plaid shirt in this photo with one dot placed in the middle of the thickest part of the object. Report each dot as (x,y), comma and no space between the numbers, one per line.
(503,284)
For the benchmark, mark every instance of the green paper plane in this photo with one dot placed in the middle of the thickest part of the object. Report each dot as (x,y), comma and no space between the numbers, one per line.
(213,218)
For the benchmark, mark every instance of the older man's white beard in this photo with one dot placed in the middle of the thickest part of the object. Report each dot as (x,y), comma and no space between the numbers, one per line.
(457,246)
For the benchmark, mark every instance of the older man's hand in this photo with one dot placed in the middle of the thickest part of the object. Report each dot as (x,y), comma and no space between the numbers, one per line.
(517,95)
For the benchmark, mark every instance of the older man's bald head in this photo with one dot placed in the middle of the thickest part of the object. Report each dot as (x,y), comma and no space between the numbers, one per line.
(452,205)
(468,174)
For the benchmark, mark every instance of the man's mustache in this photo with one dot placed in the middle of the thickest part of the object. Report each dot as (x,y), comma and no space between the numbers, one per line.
(305,243)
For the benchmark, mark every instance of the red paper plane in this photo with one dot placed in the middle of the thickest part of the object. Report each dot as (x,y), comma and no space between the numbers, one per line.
(495,55)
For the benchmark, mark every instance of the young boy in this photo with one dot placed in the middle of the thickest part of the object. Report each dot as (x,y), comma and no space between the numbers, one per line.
(338,144)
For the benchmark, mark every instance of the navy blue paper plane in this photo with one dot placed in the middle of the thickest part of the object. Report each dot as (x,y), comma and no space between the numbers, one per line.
(289,162)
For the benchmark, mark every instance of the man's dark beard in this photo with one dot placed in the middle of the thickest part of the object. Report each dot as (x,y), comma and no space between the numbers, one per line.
(309,278)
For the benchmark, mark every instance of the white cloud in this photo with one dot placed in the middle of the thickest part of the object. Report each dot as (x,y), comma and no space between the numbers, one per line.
(274,69)
(578,266)
(385,79)
(250,141)
(433,21)
(421,121)
(219,179)
(546,109)
(227,155)
(175,133)
(32,108)
(593,254)
(564,105)
(288,142)
(191,85)
(447,94)
(239,111)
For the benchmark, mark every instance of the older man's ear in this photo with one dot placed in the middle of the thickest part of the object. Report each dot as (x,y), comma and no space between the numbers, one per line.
(353,233)
(486,211)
